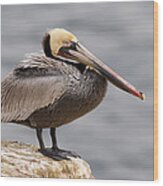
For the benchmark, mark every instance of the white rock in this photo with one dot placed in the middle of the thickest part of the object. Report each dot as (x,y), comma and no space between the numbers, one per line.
(22,160)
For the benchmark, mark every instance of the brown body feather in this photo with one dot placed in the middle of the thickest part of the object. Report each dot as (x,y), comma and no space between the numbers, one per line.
(44,92)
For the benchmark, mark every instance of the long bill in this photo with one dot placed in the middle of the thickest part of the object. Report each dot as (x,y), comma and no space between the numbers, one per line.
(82,55)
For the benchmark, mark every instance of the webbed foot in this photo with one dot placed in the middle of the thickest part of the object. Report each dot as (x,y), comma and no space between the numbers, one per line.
(58,154)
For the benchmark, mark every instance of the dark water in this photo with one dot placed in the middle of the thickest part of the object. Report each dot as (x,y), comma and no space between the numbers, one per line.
(117,137)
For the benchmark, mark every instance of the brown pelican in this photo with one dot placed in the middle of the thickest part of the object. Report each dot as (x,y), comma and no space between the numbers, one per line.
(52,89)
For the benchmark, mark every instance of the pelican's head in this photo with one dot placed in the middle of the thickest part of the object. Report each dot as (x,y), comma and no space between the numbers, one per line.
(60,42)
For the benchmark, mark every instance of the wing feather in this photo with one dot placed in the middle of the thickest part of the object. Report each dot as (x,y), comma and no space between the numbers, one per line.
(21,96)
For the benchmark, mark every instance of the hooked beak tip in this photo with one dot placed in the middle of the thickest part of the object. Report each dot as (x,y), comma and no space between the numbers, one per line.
(142,96)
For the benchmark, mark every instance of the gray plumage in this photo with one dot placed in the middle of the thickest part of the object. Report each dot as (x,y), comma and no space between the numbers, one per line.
(47,91)
(44,92)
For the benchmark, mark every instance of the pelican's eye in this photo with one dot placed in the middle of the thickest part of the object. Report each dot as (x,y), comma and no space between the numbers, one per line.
(73,46)
(66,44)
(64,50)
(70,45)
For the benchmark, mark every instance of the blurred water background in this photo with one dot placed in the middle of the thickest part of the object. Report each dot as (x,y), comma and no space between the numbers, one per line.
(117,137)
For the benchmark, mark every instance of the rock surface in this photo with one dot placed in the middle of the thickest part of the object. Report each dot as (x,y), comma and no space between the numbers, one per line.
(22,160)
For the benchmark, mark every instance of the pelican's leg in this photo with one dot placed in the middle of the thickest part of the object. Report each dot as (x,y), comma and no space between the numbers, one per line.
(40,140)
(54,138)
(63,154)
(54,152)
(47,151)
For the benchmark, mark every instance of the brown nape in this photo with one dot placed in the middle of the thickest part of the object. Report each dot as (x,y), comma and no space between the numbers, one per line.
(46,45)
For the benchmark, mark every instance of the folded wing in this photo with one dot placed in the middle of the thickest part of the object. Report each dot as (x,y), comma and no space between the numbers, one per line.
(23,95)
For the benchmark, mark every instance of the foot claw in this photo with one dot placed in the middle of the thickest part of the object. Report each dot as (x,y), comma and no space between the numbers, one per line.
(58,154)
(70,153)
